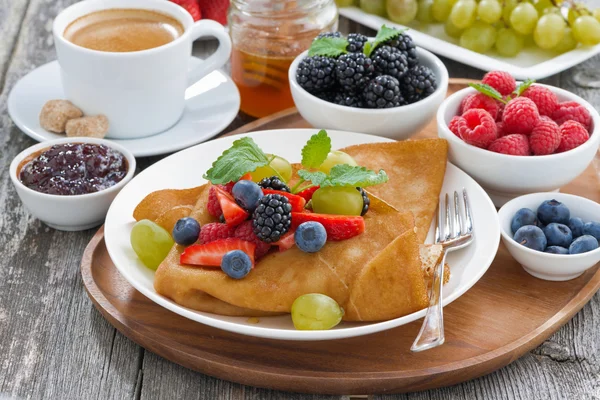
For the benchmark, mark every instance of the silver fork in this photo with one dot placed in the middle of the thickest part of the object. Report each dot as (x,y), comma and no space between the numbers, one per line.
(453,231)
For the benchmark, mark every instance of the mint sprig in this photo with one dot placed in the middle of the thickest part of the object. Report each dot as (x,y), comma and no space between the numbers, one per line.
(328,47)
(345,175)
(242,157)
(316,150)
(488,91)
(523,86)
(384,34)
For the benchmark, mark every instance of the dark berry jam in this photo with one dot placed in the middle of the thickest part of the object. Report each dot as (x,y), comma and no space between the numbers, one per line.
(74,168)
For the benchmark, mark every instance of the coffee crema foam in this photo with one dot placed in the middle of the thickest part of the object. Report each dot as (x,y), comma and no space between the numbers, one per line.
(123,30)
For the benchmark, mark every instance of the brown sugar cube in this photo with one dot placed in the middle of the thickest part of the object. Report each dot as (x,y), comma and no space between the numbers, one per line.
(96,126)
(56,113)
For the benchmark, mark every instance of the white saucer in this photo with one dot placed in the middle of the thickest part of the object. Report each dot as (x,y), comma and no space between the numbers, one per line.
(211,105)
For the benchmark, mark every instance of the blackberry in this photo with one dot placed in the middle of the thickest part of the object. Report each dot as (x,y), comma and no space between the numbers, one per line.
(383,92)
(418,83)
(390,61)
(348,99)
(405,44)
(328,95)
(274,183)
(272,218)
(366,200)
(316,73)
(328,35)
(356,42)
(353,70)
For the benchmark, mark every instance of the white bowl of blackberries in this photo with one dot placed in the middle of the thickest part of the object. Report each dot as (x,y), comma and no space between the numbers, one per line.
(554,236)
(383,86)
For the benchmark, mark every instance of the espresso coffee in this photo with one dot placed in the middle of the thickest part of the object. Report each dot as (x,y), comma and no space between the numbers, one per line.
(123,30)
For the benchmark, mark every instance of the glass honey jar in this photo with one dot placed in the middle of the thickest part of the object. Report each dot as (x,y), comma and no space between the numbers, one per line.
(267,35)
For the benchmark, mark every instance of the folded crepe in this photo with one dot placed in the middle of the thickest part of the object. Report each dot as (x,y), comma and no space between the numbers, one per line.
(377,275)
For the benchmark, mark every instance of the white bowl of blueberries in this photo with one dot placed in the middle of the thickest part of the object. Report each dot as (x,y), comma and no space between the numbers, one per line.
(382,86)
(554,236)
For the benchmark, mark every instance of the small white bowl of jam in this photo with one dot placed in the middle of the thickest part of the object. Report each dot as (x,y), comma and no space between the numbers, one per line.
(70,183)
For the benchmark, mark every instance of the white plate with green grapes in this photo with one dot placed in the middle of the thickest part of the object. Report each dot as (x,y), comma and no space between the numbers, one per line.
(185,170)
(509,41)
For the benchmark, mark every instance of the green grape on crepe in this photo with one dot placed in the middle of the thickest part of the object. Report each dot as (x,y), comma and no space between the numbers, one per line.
(567,43)
(508,42)
(425,13)
(549,31)
(402,11)
(376,7)
(315,311)
(479,37)
(339,200)
(440,10)
(586,30)
(452,30)
(463,12)
(334,158)
(279,166)
(489,11)
(523,18)
(151,242)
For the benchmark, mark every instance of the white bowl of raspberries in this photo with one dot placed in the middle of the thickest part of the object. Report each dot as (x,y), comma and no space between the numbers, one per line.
(383,86)
(518,138)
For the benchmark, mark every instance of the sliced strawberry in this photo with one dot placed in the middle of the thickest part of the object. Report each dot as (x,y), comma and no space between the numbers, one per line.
(307,194)
(210,254)
(247,177)
(296,201)
(286,241)
(234,214)
(215,10)
(338,227)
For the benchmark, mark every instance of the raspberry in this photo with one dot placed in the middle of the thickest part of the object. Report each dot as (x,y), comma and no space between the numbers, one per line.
(453,125)
(214,208)
(544,138)
(482,101)
(245,231)
(544,99)
(572,110)
(215,231)
(520,116)
(477,128)
(573,134)
(546,118)
(501,81)
(500,129)
(515,144)
(501,107)
(461,108)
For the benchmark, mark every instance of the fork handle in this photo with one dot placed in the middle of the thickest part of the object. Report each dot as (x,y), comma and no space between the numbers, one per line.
(432,331)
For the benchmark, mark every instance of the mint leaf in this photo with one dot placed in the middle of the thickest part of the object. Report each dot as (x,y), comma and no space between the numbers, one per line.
(348,175)
(242,157)
(487,90)
(384,34)
(316,150)
(368,48)
(328,47)
(317,177)
(523,86)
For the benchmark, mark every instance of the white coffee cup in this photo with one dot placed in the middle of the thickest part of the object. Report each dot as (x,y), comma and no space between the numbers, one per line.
(143,92)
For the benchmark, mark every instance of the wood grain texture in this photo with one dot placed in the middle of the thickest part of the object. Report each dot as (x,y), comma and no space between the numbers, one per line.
(54,344)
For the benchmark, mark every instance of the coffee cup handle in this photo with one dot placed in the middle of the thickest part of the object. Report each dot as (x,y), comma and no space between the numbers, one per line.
(218,58)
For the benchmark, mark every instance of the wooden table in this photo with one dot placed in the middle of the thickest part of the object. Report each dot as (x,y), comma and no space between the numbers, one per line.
(54,344)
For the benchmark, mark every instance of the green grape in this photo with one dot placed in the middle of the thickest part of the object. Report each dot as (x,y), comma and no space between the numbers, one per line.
(596,14)
(479,37)
(440,10)
(340,200)
(452,30)
(524,18)
(425,14)
(402,11)
(549,31)
(489,11)
(277,167)
(575,11)
(542,5)
(376,7)
(462,14)
(315,311)
(567,43)
(508,42)
(150,242)
(334,158)
(344,3)
(509,6)
(551,10)
(586,30)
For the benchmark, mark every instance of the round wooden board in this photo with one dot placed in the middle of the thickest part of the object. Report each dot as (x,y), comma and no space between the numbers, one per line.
(507,313)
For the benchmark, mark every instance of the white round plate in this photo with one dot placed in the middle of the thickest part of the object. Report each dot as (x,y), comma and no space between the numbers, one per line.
(185,169)
(211,104)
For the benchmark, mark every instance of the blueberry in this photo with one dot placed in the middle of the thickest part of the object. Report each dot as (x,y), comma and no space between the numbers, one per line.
(247,194)
(186,231)
(532,237)
(236,264)
(523,217)
(592,229)
(576,226)
(553,211)
(310,236)
(583,244)
(556,250)
(558,235)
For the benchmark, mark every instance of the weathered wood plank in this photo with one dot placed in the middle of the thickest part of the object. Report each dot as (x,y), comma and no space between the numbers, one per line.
(12,13)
